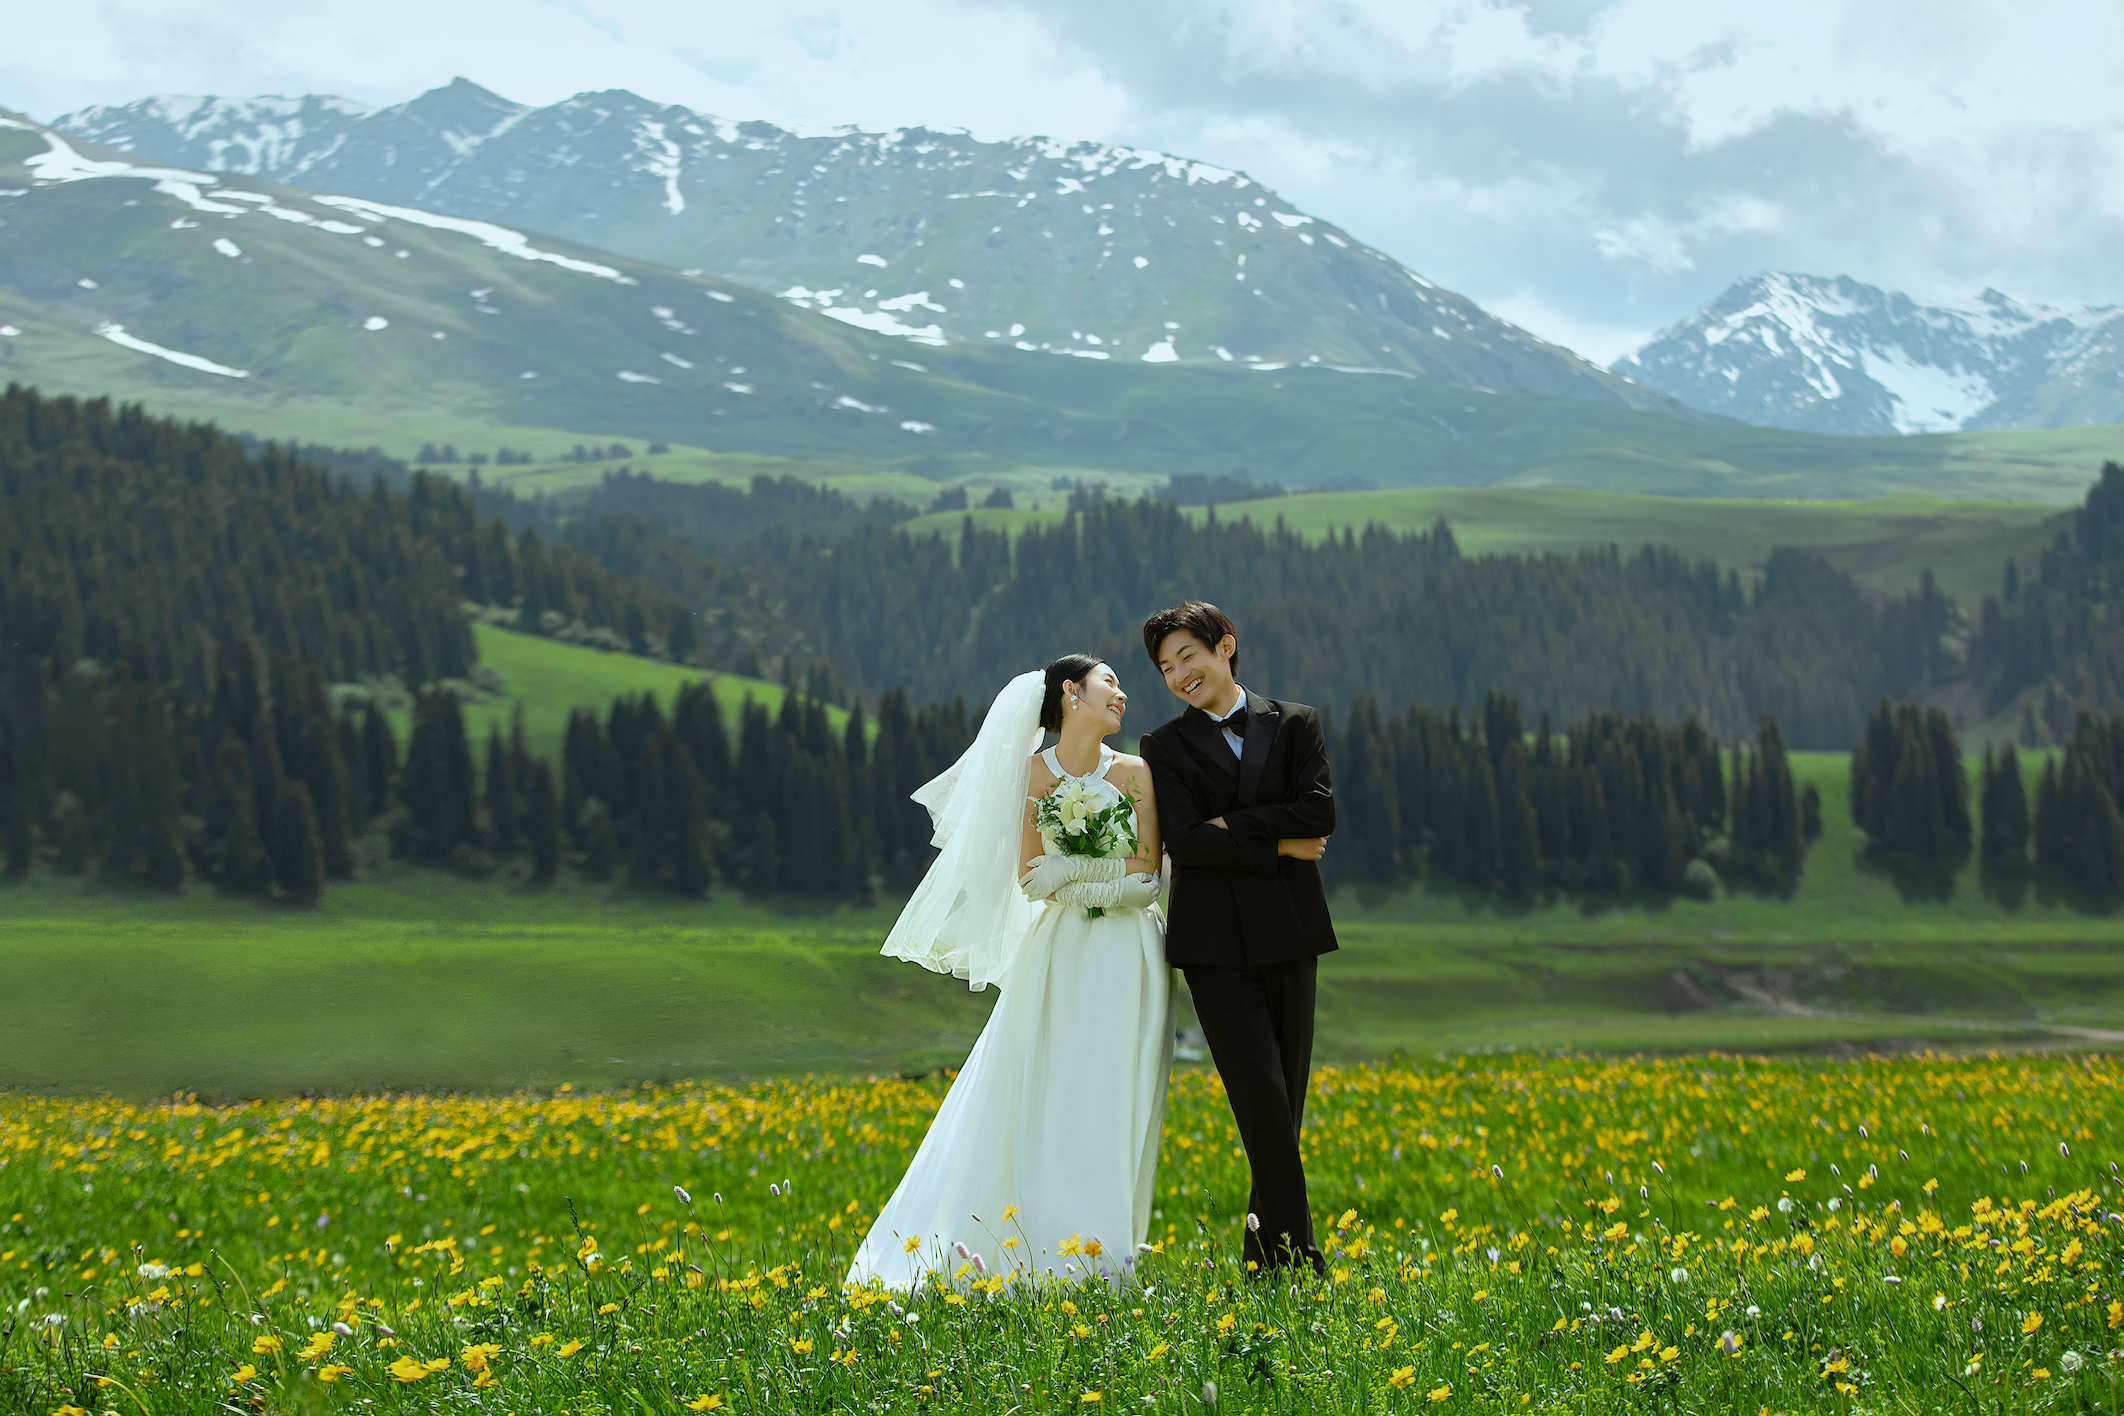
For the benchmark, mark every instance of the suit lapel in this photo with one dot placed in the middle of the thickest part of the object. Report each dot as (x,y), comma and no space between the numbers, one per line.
(1261,722)
(1203,734)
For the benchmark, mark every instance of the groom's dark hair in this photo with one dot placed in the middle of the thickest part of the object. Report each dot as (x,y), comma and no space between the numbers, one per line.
(1198,618)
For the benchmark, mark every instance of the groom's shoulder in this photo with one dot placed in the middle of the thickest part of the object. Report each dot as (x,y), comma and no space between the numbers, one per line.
(1164,734)
(1289,708)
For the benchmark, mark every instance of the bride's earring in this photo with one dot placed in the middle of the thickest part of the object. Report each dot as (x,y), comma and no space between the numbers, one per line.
(1073,703)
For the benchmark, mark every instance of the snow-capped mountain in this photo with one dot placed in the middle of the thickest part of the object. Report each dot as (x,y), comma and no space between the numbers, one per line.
(1836,356)
(1080,248)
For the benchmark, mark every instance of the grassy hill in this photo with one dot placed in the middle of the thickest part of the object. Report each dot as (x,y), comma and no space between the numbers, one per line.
(294,315)
(550,679)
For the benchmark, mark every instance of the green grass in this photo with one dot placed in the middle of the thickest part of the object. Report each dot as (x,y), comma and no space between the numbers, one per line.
(551,679)
(587,983)
(416,978)
(1558,1235)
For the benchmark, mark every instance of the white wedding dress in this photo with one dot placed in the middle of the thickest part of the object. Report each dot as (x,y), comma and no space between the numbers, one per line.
(1057,1111)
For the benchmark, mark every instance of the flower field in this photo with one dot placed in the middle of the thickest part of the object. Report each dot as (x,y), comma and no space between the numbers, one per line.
(1514,1234)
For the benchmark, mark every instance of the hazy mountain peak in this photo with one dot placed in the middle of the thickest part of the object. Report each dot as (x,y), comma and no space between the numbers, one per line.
(1830,354)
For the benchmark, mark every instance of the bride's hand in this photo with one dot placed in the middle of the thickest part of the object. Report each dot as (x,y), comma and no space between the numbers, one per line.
(1130,892)
(1049,873)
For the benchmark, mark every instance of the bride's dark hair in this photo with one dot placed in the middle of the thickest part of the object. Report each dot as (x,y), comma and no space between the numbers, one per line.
(1070,668)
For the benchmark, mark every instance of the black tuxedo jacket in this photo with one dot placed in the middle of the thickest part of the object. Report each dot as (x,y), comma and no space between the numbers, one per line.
(1236,903)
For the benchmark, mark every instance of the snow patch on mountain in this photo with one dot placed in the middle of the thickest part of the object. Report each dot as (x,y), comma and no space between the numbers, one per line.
(499,238)
(116,334)
(1927,399)
(1839,356)
(1030,234)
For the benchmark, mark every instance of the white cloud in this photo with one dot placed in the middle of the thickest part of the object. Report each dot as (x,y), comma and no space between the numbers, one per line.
(1602,343)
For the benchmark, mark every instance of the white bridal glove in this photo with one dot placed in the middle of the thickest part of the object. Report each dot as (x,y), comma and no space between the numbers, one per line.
(1051,872)
(1130,892)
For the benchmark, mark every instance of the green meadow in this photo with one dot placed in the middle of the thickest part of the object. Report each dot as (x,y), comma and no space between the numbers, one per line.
(549,679)
(415,977)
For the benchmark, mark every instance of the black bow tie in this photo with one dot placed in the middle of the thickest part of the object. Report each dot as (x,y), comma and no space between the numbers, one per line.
(1236,723)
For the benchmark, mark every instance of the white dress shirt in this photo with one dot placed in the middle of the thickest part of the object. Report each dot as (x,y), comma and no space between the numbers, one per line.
(1231,739)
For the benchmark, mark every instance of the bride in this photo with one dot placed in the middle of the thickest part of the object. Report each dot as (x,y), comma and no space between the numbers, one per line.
(1044,1153)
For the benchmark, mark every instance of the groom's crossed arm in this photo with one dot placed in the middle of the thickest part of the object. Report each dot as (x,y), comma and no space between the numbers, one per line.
(1309,811)
(1190,839)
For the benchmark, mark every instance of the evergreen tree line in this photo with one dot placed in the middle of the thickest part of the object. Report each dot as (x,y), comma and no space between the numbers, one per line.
(2060,630)
(1910,795)
(1394,617)
(796,806)
(1615,803)
(1909,790)
(259,789)
(149,568)
(118,529)
(256,787)
(2078,832)
(722,518)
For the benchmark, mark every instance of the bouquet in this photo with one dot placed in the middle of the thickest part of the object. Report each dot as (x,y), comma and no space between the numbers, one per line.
(1074,820)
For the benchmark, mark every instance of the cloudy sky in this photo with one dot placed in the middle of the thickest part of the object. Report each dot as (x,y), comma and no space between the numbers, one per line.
(1593,169)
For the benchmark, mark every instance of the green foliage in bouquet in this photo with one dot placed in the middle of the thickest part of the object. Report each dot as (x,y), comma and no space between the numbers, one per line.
(1075,820)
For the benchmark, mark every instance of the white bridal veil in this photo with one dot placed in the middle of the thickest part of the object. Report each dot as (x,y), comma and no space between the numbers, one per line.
(967,917)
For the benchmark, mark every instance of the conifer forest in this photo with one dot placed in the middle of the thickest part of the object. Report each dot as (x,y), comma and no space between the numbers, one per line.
(202,634)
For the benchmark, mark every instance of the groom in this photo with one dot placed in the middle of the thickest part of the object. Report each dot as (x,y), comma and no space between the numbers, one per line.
(1245,807)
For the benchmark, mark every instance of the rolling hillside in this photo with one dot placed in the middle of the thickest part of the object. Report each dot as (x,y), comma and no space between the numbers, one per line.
(550,679)
(1102,252)
(325,318)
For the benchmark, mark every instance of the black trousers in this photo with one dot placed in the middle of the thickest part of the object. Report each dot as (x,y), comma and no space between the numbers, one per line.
(1259,1026)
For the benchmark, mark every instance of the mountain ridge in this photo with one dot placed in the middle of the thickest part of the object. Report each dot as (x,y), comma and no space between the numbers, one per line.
(929,235)
(1835,355)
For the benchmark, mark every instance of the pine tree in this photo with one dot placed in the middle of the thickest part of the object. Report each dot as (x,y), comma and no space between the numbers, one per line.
(1366,798)
(2098,834)
(600,843)
(1480,863)
(16,840)
(379,762)
(2052,836)
(765,874)
(1781,807)
(542,824)
(2004,809)
(1810,813)
(690,871)
(501,796)
(298,855)
(438,784)
(244,865)
(70,835)
(324,771)
(1519,838)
